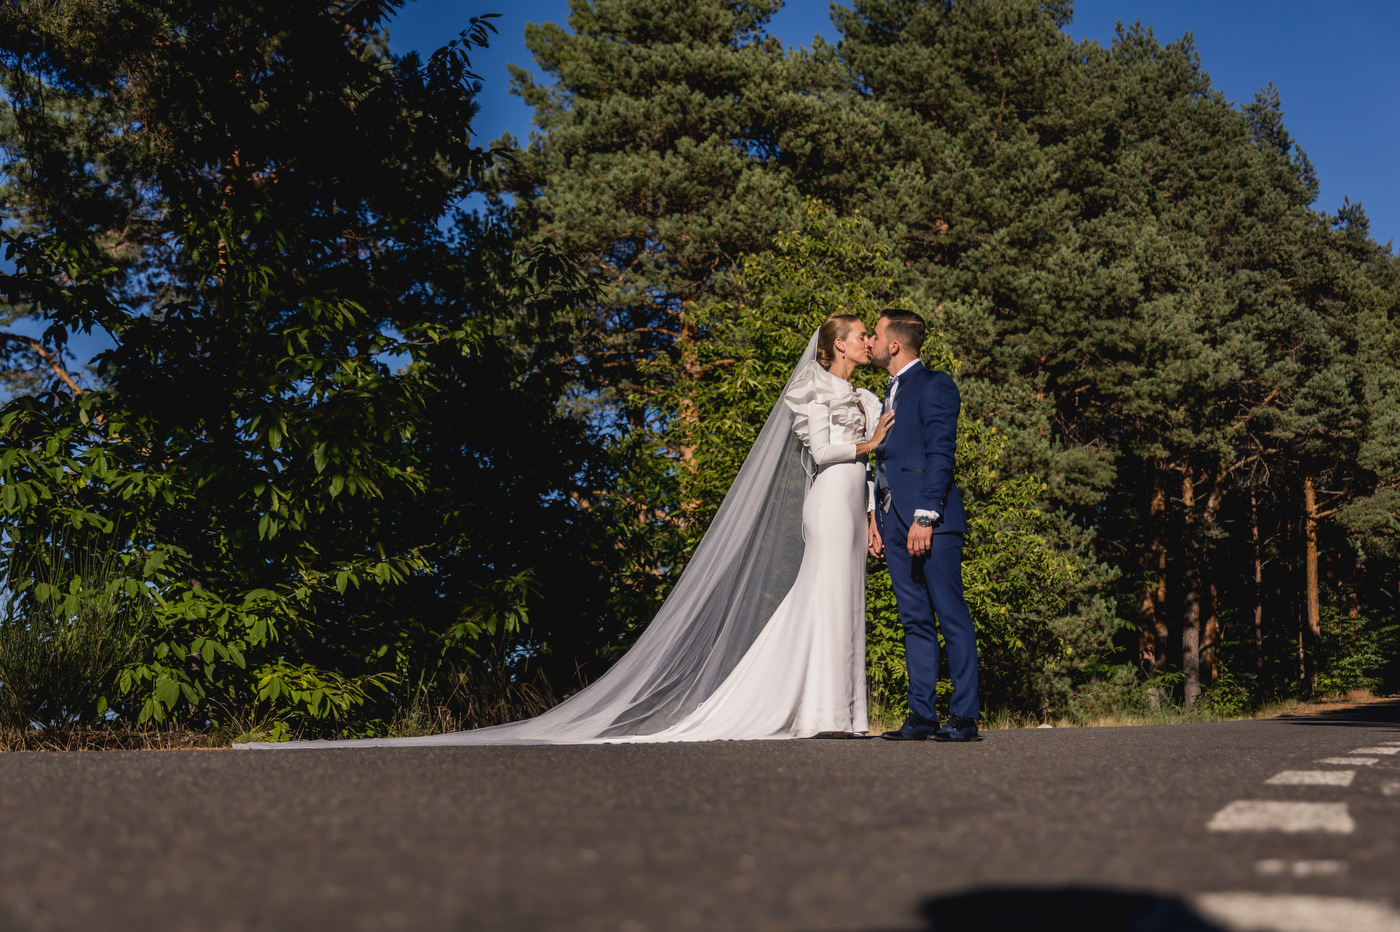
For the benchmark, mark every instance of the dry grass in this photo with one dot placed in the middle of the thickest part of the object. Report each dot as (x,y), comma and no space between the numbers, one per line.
(77,739)
(1173,714)
(477,703)
(1166,714)
(883,719)
(441,720)
(420,721)
(1352,700)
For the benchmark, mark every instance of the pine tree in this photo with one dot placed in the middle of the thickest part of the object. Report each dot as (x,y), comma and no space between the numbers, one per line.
(672,140)
(1127,265)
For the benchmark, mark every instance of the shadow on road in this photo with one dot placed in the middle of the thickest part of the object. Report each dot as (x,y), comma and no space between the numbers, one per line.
(1063,910)
(1372,715)
(1081,909)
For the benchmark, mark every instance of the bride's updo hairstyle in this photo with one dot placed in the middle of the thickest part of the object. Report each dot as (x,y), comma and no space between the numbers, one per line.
(833,328)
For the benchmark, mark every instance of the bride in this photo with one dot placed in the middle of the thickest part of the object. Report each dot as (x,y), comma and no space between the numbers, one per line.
(763,635)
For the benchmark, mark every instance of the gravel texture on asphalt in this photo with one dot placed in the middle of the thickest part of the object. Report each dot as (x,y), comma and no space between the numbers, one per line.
(1078,828)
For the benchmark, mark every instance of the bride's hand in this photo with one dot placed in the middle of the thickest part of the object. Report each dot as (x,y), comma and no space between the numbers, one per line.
(882,428)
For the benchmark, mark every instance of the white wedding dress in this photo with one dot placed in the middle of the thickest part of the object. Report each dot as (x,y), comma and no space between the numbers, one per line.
(763,636)
(806,672)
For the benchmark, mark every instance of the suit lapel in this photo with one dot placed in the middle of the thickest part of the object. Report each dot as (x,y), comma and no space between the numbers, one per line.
(903,384)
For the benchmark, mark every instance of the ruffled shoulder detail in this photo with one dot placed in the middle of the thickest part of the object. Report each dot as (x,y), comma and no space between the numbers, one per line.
(814,385)
(872,406)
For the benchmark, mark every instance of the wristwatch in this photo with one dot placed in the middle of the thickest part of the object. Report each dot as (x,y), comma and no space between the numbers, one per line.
(923,521)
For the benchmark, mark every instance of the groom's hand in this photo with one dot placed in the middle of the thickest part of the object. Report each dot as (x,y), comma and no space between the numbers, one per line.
(920,540)
(874,543)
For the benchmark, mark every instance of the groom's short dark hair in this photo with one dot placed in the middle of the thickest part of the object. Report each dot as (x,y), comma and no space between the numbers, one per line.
(906,327)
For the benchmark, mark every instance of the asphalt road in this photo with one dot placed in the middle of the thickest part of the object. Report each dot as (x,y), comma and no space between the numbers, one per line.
(1117,828)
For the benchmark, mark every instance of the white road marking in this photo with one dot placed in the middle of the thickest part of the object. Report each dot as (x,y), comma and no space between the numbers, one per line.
(1263,912)
(1276,867)
(1265,815)
(1390,789)
(1379,750)
(1312,778)
(1350,761)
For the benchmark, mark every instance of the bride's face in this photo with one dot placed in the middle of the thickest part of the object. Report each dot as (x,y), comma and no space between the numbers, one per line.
(855,345)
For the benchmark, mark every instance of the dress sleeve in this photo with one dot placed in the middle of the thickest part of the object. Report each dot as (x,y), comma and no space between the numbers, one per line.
(873,409)
(811,407)
(818,438)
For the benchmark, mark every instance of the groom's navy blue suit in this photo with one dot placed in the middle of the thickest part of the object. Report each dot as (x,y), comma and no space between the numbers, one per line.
(914,471)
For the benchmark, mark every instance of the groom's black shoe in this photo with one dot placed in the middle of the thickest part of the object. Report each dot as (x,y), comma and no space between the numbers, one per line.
(915,728)
(957,728)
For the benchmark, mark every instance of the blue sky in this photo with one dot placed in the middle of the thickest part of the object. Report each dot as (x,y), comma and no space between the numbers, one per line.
(1335,65)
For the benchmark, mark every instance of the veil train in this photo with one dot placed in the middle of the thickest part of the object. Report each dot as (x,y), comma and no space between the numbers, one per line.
(741,571)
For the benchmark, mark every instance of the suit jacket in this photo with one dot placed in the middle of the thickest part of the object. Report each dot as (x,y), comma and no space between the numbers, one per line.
(919,451)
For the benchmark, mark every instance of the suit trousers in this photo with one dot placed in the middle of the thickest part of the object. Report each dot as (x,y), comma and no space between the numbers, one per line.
(929,593)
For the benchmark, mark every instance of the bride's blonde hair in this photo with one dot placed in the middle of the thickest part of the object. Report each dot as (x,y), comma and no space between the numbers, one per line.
(832,329)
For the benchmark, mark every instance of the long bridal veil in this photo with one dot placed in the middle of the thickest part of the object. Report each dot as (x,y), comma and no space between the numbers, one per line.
(740,572)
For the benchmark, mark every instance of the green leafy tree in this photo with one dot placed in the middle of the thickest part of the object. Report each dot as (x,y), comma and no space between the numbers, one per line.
(293,322)
(1043,624)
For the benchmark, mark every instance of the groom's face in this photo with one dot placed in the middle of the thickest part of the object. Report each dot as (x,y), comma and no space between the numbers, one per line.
(880,344)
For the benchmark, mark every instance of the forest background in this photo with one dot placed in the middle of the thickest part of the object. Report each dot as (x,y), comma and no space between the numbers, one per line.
(395,431)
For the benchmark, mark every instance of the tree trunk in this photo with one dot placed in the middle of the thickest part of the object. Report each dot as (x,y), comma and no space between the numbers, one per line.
(1210,644)
(1354,589)
(1258,585)
(1191,599)
(1314,629)
(1152,607)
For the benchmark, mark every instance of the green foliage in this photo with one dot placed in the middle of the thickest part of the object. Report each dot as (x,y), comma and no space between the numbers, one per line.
(1227,697)
(1034,588)
(266,457)
(348,441)
(670,140)
(711,396)
(1036,593)
(1144,302)
(1358,654)
(68,626)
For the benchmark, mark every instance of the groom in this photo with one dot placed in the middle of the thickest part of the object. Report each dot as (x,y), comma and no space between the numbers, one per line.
(918,525)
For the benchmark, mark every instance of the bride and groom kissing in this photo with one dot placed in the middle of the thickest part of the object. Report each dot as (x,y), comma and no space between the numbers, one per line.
(763,634)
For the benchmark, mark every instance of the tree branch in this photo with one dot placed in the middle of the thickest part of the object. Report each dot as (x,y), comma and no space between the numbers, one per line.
(50,359)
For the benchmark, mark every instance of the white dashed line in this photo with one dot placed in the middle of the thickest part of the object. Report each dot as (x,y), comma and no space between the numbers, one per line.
(1262,815)
(1312,778)
(1275,867)
(1262,912)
